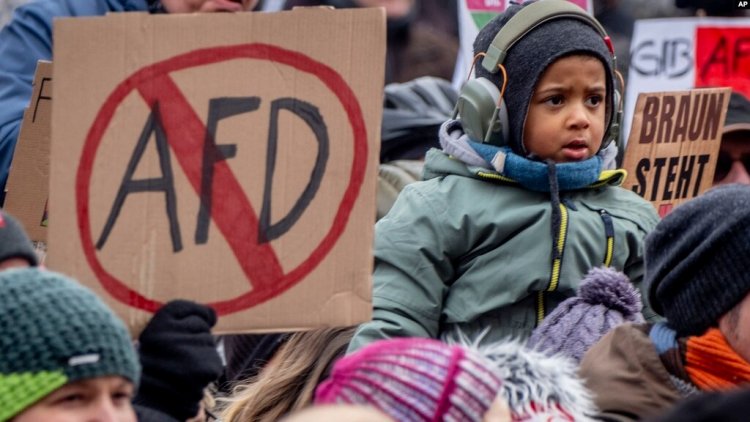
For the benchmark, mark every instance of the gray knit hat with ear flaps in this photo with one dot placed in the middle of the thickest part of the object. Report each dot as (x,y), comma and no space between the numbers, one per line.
(530,56)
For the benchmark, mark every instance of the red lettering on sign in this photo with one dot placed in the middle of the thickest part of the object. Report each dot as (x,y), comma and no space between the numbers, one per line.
(722,57)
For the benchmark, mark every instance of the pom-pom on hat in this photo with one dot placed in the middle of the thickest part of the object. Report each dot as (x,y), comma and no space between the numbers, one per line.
(606,299)
(696,259)
(54,331)
(414,379)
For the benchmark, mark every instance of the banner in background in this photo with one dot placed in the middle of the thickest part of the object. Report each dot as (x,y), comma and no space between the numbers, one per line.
(681,53)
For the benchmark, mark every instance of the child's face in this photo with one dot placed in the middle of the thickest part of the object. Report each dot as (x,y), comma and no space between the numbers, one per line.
(566,115)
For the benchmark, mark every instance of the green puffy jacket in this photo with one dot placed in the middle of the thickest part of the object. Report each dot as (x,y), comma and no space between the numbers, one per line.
(468,250)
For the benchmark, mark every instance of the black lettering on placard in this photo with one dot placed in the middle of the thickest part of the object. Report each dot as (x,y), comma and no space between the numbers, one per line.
(658,164)
(161,184)
(650,121)
(702,160)
(697,117)
(665,119)
(673,58)
(686,173)
(713,115)
(676,169)
(643,166)
(682,119)
(671,175)
(311,116)
(218,108)
(221,108)
(40,97)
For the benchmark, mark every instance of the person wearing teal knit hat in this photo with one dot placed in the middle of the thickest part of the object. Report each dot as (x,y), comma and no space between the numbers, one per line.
(64,355)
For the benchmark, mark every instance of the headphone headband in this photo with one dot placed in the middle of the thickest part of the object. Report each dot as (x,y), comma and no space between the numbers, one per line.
(528,18)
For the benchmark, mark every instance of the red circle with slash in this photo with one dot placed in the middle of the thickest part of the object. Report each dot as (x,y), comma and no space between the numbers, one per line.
(239,223)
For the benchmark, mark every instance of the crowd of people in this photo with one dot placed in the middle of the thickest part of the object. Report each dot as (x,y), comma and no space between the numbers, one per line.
(514,279)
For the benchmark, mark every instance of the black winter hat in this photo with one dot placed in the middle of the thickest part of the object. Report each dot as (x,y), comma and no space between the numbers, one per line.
(528,58)
(696,259)
(14,242)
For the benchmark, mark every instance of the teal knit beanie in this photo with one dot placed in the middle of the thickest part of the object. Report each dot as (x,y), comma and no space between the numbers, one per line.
(54,331)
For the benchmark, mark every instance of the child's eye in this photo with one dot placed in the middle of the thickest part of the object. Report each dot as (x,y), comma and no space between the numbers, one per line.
(594,100)
(554,100)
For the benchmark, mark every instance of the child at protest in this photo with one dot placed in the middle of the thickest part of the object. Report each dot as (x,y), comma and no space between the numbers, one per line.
(503,229)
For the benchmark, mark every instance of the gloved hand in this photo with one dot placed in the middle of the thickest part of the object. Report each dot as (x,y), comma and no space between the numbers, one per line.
(179,359)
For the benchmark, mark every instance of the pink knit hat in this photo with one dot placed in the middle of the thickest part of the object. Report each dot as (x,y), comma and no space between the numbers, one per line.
(414,379)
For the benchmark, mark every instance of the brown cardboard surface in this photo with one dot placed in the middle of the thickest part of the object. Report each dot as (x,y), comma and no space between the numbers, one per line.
(674,143)
(228,159)
(28,181)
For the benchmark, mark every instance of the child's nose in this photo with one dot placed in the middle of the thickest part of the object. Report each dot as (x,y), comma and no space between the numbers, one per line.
(579,116)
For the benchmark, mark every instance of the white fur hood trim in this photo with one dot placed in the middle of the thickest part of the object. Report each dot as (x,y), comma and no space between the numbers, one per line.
(537,386)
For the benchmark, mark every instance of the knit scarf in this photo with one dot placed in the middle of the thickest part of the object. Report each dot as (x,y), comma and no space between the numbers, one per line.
(532,174)
(712,364)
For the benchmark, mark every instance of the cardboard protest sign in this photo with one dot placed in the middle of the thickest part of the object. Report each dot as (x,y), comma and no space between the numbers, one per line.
(28,181)
(682,53)
(672,150)
(228,159)
(472,16)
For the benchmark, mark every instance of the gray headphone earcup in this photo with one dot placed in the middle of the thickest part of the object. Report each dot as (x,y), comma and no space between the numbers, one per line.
(478,112)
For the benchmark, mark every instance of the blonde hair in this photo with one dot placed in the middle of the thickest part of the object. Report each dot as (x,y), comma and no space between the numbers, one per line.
(288,382)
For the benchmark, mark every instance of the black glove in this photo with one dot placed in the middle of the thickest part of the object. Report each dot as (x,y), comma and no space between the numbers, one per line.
(179,359)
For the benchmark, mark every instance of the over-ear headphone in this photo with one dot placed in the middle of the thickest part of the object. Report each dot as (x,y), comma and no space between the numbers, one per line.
(480,105)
